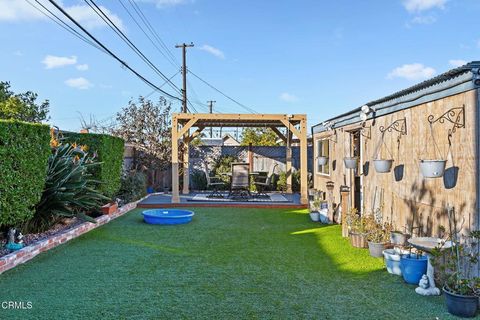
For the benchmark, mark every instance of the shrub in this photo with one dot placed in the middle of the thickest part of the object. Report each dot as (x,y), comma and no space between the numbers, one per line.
(24,150)
(133,187)
(222,166)
(281,183)
(109,151)
(69,189)
(198,180)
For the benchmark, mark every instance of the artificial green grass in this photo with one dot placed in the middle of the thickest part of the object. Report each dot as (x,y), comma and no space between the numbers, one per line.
(226,264)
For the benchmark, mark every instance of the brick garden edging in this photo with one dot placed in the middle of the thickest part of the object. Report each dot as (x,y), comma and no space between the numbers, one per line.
(15,258)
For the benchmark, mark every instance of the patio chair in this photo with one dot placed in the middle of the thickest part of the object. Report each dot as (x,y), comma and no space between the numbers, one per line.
(240,181)
(264,183)
(213,182)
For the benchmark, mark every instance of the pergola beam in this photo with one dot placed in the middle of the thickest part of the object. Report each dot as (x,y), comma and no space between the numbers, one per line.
(279,134)
(202,120)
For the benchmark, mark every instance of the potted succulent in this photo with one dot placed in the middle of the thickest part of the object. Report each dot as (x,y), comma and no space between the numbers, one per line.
(378,238)
(432,168)
(358,229)
(350,162)
(461,288)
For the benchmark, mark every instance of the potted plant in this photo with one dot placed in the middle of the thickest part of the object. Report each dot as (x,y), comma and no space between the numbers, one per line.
(351,162)
(398,238)
(461,288)
(432,168)
(314,207)
(383,165)
(110,208)
(378,237)
(414,266)
(392,260)
(358,229)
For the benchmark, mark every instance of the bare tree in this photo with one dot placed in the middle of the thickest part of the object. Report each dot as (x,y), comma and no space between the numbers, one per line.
(146,126)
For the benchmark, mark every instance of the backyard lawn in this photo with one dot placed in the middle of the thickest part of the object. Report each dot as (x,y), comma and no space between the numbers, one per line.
(227,264)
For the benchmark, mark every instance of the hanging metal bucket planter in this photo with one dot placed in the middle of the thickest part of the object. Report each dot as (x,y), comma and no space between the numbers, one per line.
(432,168)
(383,165)
(322,160)
(351,162)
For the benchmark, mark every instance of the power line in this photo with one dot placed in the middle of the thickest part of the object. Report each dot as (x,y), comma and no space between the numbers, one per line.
(125,39)
(142,16)
(225,95)
(63,24)
(169,59)
(123,63)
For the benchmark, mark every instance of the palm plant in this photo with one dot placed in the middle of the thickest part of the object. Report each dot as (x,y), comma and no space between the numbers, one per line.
(69,189)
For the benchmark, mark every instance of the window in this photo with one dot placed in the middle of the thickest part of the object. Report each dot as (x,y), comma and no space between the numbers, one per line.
(323,151)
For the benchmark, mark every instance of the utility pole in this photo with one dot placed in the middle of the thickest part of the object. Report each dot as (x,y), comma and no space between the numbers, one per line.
(210,106)
(184,47)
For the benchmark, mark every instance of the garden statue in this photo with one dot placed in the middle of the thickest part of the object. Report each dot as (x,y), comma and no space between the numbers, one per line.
(15,240)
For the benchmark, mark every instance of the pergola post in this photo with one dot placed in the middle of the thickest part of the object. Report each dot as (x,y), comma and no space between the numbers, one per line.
(186,163)
(303,162)
(175,193)
(288,161)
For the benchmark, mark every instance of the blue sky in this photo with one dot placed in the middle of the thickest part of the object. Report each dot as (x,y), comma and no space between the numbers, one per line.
(321,58)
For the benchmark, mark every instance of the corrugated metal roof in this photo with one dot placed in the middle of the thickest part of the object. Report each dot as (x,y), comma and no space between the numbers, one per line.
(451,74)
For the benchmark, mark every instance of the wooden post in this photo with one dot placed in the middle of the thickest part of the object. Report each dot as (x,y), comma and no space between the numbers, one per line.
(175,191)
(303,162)
(344,193)
(186,163)
(330,200)
(288,162)
(250,157)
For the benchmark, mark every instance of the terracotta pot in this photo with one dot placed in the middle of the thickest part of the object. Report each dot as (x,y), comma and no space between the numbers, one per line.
(358,240)
(109,208)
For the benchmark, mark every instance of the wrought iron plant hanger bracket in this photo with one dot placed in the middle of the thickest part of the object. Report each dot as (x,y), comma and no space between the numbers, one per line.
(456,116)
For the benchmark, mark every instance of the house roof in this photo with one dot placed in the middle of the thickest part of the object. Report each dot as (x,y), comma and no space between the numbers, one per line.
(409,97)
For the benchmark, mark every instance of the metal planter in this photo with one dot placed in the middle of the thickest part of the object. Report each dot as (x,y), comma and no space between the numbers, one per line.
(350,162)
(321,161)
(432,168)
(383,165)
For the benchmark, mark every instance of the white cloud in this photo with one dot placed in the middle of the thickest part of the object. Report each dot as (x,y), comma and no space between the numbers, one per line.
(52,62)
(15,10)
(414,71)
(82,67)
(288,97)
(212,50)
(88,18)
(79,83)
(21,10)
(423,20)
(166,3)
(422,5)
(457,62)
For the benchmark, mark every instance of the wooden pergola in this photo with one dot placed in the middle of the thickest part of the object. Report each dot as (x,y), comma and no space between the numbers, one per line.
(183,123)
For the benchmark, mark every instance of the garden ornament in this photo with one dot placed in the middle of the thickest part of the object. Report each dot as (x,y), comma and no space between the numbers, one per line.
(15,240)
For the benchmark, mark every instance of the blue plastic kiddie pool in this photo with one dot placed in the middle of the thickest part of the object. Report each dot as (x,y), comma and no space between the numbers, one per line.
(167,216)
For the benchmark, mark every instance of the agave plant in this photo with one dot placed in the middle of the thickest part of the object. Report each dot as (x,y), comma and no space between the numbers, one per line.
(69,189)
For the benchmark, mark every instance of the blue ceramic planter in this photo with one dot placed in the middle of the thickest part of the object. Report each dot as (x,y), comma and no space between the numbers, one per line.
(413,267)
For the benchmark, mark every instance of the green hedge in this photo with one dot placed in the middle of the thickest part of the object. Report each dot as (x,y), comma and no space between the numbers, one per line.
(24,151)
(109,150)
